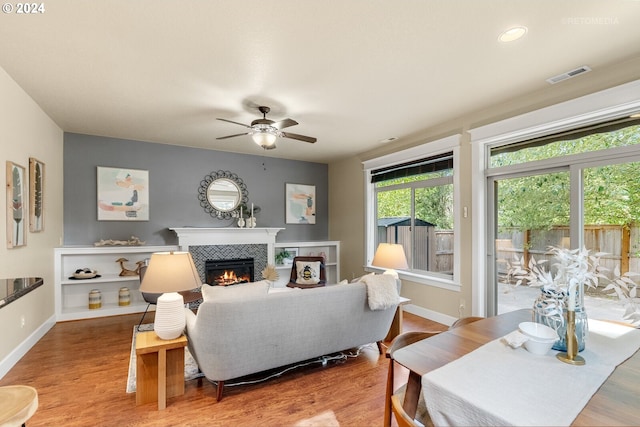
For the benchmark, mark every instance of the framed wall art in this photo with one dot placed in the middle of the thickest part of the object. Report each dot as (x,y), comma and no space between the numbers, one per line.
(36,195)
(16,205)
(300,202)
(123,194)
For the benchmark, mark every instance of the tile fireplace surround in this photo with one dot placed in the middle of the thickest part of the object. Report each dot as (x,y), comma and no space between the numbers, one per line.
(227,243)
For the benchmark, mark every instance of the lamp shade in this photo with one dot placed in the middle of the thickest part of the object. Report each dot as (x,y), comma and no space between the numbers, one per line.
(170,272)
(390,256)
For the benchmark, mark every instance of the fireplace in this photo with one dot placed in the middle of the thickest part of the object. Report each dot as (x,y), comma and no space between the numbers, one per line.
(224,272)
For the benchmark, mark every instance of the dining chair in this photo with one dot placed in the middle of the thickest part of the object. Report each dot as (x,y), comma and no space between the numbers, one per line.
(394,399)
(465,320)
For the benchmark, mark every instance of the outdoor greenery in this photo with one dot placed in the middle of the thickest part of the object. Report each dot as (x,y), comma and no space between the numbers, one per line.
(432,204)
(538,202)
(611,193)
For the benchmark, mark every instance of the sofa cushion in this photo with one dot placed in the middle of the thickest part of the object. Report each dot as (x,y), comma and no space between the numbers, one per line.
(308,272)
(233,292)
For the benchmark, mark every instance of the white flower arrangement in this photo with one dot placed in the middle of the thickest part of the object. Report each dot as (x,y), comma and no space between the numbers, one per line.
(574,269)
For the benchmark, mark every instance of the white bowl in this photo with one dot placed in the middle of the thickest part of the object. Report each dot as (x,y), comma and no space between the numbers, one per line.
(540,337)
(538,331)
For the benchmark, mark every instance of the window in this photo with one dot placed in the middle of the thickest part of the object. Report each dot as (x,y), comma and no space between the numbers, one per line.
(490,176)
(577,190)
(413,203)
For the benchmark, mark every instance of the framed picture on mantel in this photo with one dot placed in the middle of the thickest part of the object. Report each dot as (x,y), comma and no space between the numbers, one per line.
(300,202)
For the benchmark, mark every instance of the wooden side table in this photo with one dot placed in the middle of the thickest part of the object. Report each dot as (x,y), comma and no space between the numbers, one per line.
(159,368)
(396,325)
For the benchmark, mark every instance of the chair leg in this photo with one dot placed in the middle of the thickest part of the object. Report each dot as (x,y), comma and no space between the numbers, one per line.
(388,395)
(143,314)
(219,391)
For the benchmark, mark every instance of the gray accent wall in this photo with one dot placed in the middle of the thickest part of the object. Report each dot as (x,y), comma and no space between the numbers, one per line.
(175,173)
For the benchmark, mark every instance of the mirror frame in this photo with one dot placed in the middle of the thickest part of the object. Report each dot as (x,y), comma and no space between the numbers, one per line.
(209,208)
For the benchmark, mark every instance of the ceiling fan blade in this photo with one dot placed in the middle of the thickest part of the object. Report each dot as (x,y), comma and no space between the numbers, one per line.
(299,137)
(284,123)
(235,123)
(233,136)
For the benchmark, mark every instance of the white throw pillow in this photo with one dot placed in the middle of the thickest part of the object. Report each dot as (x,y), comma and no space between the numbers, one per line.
(240,291)
(359,279)
(308,272)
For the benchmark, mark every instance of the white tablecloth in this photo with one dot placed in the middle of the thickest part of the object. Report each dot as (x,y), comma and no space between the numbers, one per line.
(497,385)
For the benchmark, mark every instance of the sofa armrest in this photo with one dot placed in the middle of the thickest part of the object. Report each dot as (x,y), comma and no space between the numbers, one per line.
(190,319)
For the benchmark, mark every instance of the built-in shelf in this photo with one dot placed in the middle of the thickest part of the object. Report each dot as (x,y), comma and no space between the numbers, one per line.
(72,296)
(329,249)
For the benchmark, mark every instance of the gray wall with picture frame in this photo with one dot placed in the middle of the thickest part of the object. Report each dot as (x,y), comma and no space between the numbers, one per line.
(175,173)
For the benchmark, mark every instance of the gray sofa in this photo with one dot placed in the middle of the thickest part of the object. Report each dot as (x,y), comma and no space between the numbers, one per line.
(244,329)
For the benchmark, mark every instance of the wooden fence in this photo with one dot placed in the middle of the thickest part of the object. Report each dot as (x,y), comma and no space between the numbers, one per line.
(620,244)
(433,249)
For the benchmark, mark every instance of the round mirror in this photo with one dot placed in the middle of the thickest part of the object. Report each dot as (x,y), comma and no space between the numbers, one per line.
(221,193)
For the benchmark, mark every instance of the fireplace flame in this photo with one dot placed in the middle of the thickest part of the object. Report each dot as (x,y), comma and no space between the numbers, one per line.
(230,278)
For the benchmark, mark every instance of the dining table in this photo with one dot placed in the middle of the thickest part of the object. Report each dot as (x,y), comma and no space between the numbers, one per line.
(615,402)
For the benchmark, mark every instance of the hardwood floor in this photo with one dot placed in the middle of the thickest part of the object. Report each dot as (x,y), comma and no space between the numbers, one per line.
(80,371)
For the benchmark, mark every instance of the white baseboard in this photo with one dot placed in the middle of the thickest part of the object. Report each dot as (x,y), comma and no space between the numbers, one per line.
(429,314)
(14,357)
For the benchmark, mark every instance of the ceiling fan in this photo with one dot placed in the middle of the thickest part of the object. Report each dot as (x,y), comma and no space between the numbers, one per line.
(264,132)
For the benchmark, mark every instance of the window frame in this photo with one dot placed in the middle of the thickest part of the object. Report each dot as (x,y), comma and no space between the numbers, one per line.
(590,109)
(429,149)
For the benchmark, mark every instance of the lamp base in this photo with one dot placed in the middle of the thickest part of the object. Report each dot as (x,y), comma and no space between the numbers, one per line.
(170,319)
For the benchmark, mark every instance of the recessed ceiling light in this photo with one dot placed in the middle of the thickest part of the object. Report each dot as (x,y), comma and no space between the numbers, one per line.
(512,34)
(384,141)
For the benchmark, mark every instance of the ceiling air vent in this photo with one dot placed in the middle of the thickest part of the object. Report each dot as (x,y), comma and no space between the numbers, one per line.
(569,74)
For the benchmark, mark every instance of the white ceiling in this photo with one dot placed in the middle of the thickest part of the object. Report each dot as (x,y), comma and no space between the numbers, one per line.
(351,72)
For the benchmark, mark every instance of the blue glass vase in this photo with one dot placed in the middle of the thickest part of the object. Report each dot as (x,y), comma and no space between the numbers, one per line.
(550,309)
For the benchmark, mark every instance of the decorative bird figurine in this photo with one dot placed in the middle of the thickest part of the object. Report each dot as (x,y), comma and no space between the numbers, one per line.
(125,271)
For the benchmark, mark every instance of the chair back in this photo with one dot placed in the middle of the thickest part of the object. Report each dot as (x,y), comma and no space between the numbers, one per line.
(465,320)
(294,270)
(394,399)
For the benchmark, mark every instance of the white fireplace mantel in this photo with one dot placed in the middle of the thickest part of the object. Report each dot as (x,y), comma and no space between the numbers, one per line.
(194,236)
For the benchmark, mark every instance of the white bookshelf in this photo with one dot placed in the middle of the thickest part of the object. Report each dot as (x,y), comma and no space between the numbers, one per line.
(72,296)
(330,249)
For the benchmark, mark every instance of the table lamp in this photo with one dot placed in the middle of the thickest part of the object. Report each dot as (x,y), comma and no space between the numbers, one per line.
(168,273)
(390,256)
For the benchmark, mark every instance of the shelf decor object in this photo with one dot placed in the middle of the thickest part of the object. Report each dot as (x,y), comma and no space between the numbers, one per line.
(390,256)
(95,299)
(168,273)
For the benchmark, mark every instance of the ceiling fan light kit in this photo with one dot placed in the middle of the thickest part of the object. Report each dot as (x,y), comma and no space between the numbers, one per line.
(264,138)
(265,132)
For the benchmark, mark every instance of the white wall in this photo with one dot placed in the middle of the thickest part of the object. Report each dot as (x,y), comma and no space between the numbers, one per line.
(26,131)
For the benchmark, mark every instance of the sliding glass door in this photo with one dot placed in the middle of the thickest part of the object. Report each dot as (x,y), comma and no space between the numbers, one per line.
(562,194)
